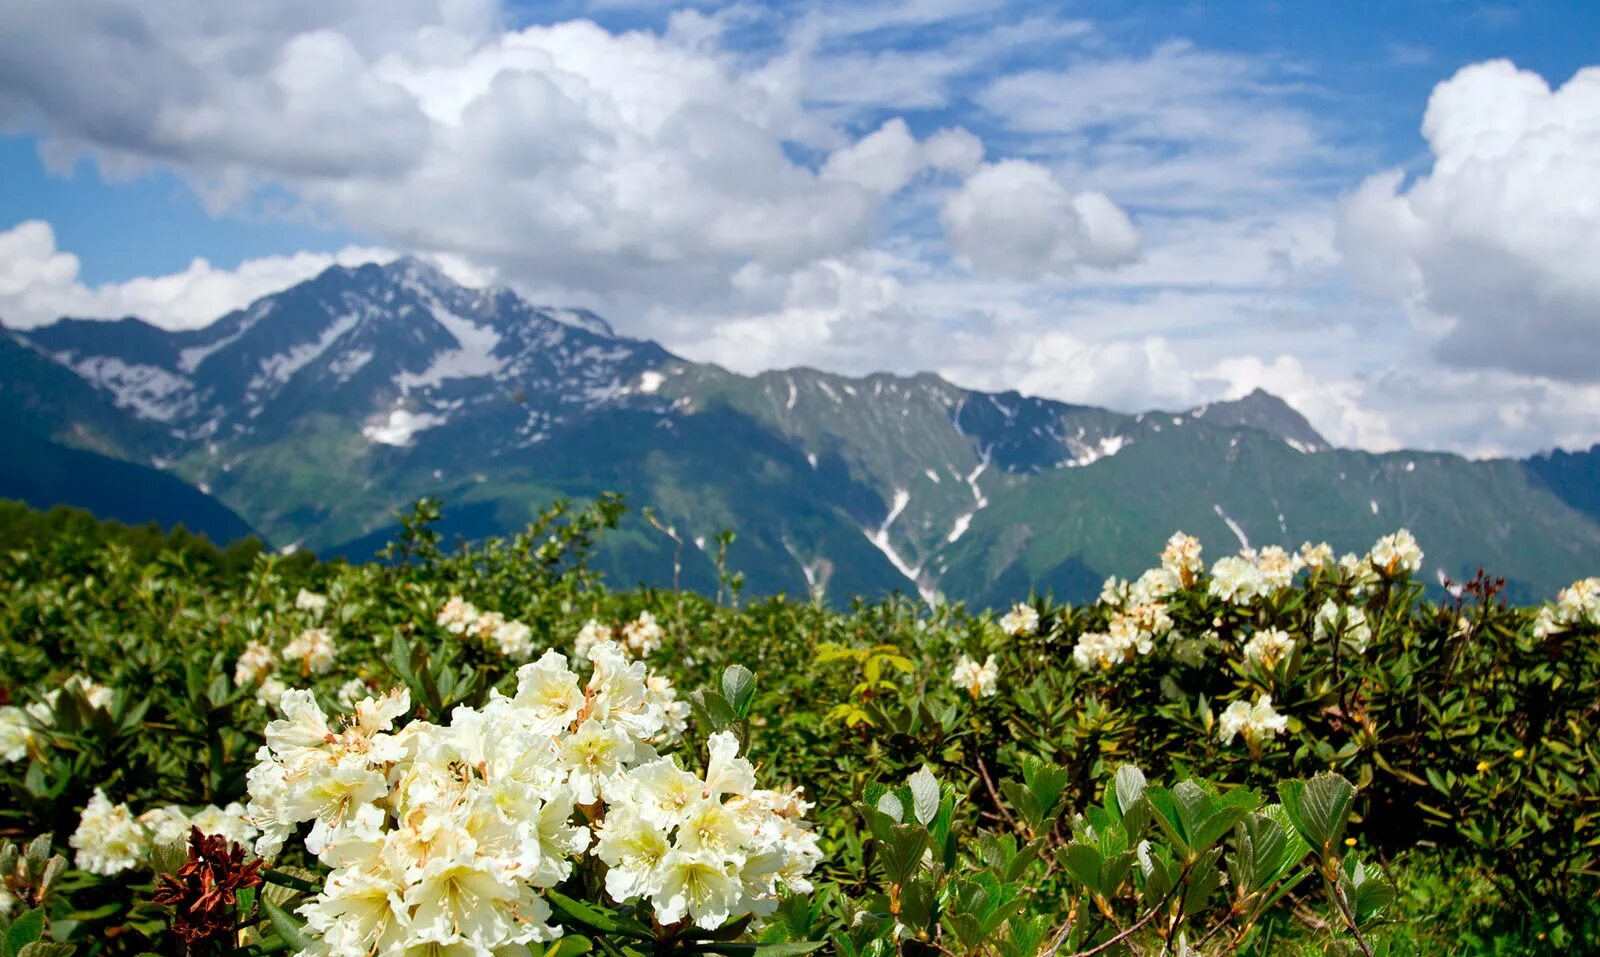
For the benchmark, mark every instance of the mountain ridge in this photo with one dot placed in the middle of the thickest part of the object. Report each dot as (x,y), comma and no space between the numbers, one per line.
(316,411)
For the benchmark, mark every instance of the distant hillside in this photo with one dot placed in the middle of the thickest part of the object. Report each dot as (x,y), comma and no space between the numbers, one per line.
(314,413)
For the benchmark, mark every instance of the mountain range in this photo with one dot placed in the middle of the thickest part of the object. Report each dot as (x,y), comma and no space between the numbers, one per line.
(314,413)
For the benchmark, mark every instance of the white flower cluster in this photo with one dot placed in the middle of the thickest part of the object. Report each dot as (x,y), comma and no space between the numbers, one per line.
(1255,573)
(1132,631)
(1396,555)
(1348,623)
(311,602)
(441,837)
(641,636)
(977,680)
(1256,722)
(1578,603)
(1268,646)
(20,727)
(1022,619)
(512,639)
(110,839)
(311,652)
(1181,559)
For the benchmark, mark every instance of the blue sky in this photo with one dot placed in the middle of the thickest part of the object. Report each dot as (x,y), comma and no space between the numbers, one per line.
(1138,206)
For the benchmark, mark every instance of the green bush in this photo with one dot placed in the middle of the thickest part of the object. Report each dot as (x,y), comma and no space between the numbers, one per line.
(1330,736)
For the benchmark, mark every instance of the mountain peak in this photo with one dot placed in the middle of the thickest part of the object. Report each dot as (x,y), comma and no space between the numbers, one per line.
(1260,409)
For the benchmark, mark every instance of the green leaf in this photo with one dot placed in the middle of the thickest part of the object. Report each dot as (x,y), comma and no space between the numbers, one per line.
(790,949)
(1319,808)
(902,855)
(739,687)
(569,946)
(46,948)
(288,928)
(582,913)
(924,795)
(1130,786)
(25,930)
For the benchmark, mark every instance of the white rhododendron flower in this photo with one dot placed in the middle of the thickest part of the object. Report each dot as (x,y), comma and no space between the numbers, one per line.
(254,664)
(1269,646)
(1397,554)
(1181,558)
(1130,633)
(442,837)
(1256,722)
(642,635)
(1154,585)
(1022,619)
(312,651)
(1349,623)
(1578,603)
(271,691)
(1277,567)
(16,733)
(1316,556)
(591,634)
(1115,592)
(1236,580)
(975,679)
(311,601)
(1358,571)
(108,839)
(457,616)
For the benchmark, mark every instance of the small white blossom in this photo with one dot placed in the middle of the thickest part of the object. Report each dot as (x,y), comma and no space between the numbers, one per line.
(254,664)
(457,616)
(1268,646)
(16,733)
(312,602)
(1354,632)
(591,634)
(1396,555)
(1022,619)
(1181,557)
(1256,722)
(1236,580)
(975,679)
(312,651)
(108,839)
(642,635)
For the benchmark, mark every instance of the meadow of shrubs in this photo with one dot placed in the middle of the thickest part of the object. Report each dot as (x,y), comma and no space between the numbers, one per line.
(483,750)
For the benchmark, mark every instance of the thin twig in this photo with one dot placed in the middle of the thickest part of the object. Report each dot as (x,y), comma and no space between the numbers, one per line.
(994,795)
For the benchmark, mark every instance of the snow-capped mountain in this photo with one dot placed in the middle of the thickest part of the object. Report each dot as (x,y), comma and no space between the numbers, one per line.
(400,346)
(316,412)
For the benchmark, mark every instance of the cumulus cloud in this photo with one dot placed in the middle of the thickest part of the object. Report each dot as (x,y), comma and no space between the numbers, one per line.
(656,162)
(1493,248)
(39,283)
(1014,218)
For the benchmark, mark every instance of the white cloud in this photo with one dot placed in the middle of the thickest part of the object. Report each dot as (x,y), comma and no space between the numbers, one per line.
(1494,248)
(1013,218)
(655,163)
(39,283)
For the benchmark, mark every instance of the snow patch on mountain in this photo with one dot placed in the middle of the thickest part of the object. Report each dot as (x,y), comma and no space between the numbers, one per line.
(281,368)
(1233,526)
(189,359)
(150,391)
(880,540)
(473,358)
(1088,454)
(401,427)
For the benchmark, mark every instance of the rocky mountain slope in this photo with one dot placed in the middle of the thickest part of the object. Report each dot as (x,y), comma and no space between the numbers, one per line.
(317,411)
